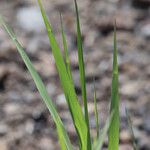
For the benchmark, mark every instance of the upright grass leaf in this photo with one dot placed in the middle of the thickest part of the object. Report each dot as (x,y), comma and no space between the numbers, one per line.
(63,137)
(131,130)
(71,97)
(96,113)
(113,142)
(82,74)
(65,49)
(100,140)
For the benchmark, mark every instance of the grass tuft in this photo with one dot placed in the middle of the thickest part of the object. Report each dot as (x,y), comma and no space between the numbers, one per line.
(68,88)
(80,119)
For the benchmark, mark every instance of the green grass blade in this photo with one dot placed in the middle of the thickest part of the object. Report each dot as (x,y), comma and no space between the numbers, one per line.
(96,113)
(82,74)
(135,147)
(113,142)
(66,49)
(63,137)
(103,133)
(71,97)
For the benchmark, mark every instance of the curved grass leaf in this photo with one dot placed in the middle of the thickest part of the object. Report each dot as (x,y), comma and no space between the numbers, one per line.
(113,143)
(96,112)
(135,147)
(63,137)
(65,49)
(71,97)
(100,140)
(82,74)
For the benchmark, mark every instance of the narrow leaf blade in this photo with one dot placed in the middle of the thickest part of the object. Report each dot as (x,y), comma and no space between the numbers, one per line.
(135,147)
(82,74)
(113,143)
(103,133)
(66,50)
(63,137)
(96,112)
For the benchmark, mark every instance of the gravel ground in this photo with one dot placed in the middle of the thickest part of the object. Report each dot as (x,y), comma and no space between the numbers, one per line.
(25,123)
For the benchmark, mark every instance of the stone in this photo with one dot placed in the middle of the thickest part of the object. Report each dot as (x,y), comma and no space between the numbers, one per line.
(125,136)
(51,88)
(104,66)
(61,100)
(3,145)
(145,30)
(46,65)
(125,147)
(132,88)
(144,142)
(29,127)
(90,38)
(91,71)
(30,19)
(3,129)
(137,121)
(12,108)
(146,114)
(46,144)
(90,108)
(3,71)
(123,109)
(15,96)
(38,43)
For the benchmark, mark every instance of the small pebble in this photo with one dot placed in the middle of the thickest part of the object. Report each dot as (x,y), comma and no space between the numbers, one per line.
(61,100)
(30,19)
(12,108)
(145,31)
(3,145)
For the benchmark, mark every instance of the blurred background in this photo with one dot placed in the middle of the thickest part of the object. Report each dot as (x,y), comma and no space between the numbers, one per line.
(25,123)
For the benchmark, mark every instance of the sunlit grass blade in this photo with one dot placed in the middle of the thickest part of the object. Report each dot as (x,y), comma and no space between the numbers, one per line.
(135,147)
(82,74)
(65,49)
(71,97)
(113,143)
(100,140)
(63,137)
(96,113)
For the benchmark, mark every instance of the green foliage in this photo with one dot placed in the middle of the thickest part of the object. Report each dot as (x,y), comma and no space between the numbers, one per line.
(80,119)
(99,143)
(67,61)
(71,97)
(96,113)
(82,75)
(113,142)
(63,137)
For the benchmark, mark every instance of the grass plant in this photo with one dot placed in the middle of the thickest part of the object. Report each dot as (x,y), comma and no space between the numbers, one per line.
(80,118)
